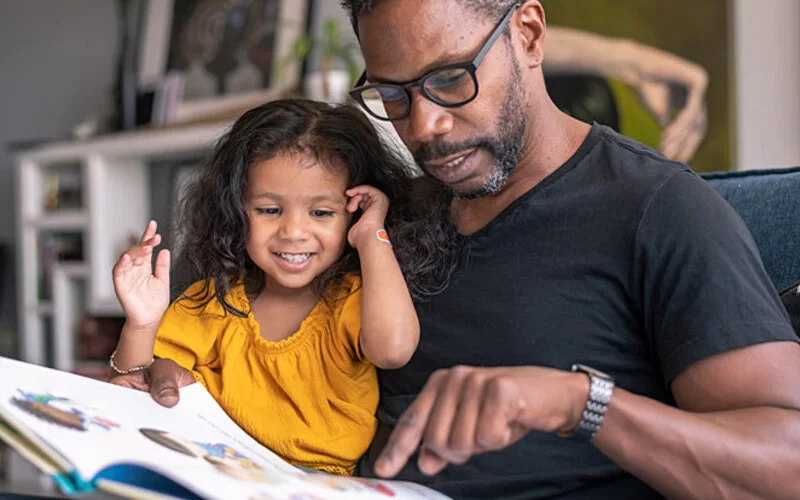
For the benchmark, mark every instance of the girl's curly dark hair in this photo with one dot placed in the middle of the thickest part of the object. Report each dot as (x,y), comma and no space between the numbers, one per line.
(215,226)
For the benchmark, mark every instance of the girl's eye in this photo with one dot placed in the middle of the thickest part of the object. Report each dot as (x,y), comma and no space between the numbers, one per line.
(322,213)
(268,211)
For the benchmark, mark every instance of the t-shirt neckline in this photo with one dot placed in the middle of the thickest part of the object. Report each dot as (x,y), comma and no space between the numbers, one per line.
(591,139)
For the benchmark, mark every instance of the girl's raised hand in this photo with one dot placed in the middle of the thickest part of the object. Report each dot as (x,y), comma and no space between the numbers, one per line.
(375,205)
(143,293)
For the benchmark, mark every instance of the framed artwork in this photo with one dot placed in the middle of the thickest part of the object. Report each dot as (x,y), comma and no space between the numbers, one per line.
(227,54)
(649,71)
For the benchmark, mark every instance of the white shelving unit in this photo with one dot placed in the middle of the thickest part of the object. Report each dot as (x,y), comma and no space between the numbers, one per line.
(115,204)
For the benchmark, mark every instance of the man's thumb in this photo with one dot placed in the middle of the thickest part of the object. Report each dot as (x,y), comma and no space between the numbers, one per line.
(164,382)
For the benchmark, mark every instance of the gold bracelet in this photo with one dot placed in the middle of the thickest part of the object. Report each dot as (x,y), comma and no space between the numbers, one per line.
(129,370)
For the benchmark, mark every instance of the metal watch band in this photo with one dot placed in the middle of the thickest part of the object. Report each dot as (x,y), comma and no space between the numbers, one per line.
(601,388)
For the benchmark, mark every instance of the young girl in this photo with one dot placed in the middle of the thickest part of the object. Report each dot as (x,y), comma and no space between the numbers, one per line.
(299,294)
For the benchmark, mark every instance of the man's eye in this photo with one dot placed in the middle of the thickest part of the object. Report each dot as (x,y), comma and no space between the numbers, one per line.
(322,213)
(446,78)
(391,93)
(268,211)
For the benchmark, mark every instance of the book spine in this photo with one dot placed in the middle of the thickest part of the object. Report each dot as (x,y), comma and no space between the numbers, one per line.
(72,483)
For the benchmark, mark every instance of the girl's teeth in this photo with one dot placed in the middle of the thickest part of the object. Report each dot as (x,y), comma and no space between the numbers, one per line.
(295,257)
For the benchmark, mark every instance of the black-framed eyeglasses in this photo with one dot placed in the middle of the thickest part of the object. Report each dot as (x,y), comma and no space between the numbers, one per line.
(449,86)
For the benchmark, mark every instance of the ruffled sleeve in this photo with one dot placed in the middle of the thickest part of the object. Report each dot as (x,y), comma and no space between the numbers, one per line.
(188,334)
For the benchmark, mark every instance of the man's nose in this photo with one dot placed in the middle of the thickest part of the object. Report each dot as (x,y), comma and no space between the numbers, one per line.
(427,120)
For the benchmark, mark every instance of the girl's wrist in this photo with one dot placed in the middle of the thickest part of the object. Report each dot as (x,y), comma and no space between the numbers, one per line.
(373,236)
(113,364)
(139,330)
(135,348)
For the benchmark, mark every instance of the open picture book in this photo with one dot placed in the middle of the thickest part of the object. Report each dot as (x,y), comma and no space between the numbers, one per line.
(87,434)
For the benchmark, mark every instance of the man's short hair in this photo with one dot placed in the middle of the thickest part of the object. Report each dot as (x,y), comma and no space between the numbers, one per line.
(491,9)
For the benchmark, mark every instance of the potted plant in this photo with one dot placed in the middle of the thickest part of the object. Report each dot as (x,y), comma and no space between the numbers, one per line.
(329,82)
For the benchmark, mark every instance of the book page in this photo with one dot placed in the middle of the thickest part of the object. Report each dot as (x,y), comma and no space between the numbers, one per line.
(95,426)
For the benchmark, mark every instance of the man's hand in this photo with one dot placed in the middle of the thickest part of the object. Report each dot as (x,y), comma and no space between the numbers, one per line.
(162,379)
(465,411)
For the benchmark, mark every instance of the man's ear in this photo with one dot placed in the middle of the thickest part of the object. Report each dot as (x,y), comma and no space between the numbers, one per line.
(531,25)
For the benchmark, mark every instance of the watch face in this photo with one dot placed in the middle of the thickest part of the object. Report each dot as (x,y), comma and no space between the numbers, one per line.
(577,367)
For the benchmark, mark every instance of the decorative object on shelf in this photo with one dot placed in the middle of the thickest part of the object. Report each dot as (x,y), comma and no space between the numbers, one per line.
(329,82)
(226,51)
(86,128)
(62,189)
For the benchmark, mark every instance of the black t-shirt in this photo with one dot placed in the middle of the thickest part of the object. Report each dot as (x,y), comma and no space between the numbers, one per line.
(620,260)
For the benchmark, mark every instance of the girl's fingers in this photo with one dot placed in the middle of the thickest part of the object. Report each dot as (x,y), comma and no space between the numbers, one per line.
(361,190)
(140,255)
(122,265)
(358,190)
(143,251)
(365,203)
(153,241)
(162,265)
(149,231)
(354,202)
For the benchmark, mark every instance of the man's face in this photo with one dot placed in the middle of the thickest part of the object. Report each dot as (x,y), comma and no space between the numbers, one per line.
(473,148)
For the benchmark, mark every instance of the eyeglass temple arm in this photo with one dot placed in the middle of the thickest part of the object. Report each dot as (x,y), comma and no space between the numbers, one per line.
(495,34)
(361,80)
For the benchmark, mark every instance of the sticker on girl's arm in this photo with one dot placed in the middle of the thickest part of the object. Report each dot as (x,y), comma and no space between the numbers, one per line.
(383,236)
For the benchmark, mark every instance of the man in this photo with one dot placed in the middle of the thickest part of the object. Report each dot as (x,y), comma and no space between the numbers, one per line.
(579,247)
(582,247)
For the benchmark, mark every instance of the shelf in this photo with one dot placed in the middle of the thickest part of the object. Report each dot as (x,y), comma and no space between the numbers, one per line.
(140,143)
(61,220)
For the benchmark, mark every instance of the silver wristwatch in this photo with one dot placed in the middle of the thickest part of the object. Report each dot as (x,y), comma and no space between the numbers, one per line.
(601,388)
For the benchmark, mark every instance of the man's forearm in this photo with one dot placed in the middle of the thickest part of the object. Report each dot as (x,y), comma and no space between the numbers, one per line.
(748,453)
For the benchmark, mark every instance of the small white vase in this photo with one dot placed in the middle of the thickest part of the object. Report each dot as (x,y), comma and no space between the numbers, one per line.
(338,86)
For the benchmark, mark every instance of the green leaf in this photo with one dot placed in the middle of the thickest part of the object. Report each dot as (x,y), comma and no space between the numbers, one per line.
(331,30)
(302,47)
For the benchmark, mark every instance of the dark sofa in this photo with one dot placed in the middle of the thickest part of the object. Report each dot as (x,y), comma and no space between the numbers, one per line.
(769,203)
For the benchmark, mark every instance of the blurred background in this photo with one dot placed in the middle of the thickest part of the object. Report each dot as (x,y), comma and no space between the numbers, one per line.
(108,106)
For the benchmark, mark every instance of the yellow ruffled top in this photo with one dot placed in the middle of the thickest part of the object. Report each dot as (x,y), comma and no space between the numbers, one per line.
(310,398)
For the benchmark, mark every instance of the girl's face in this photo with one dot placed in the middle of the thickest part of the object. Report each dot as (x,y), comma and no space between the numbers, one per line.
(298,219)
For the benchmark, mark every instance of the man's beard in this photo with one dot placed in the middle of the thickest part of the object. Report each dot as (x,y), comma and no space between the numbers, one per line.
(505,147)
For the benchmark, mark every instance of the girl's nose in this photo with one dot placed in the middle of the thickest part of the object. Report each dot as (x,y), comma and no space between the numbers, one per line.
(294,228)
